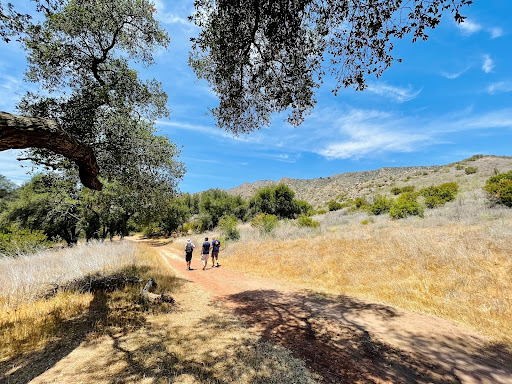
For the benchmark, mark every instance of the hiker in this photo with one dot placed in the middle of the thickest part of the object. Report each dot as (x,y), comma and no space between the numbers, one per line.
(205,253)
(215,251)
(189,248)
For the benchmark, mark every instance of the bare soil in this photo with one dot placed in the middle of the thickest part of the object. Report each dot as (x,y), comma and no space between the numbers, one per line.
(348,340)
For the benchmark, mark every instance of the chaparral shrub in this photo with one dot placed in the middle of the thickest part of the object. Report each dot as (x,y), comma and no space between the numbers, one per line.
(499,188)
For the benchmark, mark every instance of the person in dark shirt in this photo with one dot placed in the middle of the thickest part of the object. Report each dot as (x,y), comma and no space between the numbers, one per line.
(215,252)
(205,252)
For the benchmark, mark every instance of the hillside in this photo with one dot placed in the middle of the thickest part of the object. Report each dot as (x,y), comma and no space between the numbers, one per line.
(353,184)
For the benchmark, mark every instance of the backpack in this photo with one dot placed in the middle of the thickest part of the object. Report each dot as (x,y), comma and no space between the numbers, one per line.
(188,248)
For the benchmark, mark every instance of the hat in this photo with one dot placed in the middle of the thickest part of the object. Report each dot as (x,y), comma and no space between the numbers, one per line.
(188,240)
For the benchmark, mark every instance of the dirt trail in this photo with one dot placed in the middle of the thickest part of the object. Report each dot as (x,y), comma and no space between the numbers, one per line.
(347,340)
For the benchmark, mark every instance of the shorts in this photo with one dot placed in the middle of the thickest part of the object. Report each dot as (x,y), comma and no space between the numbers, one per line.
(215,254)
(205,256)
(188,257)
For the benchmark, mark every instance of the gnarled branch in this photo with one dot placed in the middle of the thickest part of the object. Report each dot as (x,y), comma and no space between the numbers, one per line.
(19,132)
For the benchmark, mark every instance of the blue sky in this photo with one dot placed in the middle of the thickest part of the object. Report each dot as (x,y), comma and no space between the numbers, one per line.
(450,98)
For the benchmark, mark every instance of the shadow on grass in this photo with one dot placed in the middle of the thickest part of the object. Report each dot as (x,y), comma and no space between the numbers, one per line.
(321,330)
(70,334)
(147,356)
(124,311)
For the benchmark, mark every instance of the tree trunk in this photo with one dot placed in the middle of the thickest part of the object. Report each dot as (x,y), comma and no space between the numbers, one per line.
(20,132)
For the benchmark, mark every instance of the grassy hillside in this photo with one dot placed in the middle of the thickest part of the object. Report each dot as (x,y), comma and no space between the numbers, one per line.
(360,184)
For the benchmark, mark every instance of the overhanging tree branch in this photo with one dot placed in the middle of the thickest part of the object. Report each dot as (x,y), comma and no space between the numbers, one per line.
(20,132)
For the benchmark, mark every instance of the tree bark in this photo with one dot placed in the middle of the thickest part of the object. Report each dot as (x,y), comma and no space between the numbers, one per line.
(19,132)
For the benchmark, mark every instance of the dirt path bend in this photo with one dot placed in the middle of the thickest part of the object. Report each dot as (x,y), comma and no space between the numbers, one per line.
(347,340)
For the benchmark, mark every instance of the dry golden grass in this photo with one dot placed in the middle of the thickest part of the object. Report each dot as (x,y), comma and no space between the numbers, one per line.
(462,273)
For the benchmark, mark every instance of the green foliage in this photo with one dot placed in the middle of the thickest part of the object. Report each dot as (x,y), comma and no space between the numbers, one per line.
(215,203)
(407,188)
(151,230)
(191,226)
(360,203)
(306,221)
(265,57)
(470,170)
(436,196)
(228,224)
(15,241)
(176,212)
(6,187)
(380,205)
(499,188)
(304,208)
(333,205)
(80,52)
(320,212)
(265,223)
(279,201)
(475,157)
(405,205)
(459,167)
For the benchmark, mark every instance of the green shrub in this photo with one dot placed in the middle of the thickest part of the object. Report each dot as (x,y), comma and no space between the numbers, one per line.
(191,226)
(360,203)
(367,221)
(470,170)
(407,188)
(16,241)
(304,207)
(229,224)
(405,205)
(436,196)
(333,205)
(151,230)
(459,167)
(380,205)
(306,221)
(475,157)
(320,212)
(265,223)
(499,188)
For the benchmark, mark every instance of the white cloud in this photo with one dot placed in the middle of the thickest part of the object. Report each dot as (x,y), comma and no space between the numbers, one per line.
(207,130)
(454,75)
(468,27)
(178,16)
(397,94)
(488,64)
(499,87)
(371,131)
(496,32)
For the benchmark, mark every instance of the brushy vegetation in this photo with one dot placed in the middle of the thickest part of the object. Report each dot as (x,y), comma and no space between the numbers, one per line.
(265,223)
(405,205)
(499,188)
(307,221)
(15,241)
(228,225)
(436,196)
(470,170)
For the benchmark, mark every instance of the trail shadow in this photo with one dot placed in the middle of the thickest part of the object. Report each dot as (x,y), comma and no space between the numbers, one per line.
(105,312)
(321,330)
(70,335)
(147,355)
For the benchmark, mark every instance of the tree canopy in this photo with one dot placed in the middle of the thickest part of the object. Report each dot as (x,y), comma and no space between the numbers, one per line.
(80,54)
(266,56)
